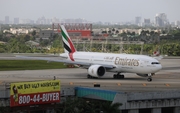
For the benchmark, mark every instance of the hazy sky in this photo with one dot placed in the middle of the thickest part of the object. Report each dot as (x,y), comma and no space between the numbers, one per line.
(92,10)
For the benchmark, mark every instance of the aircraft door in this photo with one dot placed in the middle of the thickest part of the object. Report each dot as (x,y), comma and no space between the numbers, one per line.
(91,59)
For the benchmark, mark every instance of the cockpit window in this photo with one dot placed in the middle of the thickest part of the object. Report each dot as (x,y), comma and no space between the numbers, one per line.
(155,63)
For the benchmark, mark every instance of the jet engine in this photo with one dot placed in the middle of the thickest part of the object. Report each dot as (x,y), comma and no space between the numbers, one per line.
(96,71)
(142,75)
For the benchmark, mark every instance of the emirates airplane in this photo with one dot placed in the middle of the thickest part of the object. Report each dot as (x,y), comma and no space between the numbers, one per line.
(97,64)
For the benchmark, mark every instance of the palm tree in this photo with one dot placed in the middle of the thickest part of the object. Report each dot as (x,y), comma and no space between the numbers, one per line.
(117,31)
(109,31)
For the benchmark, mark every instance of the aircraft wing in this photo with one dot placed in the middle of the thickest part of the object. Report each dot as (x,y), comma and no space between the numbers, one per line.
(59,59)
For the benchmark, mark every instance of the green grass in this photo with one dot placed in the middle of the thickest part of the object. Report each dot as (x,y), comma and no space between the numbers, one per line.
(6,65)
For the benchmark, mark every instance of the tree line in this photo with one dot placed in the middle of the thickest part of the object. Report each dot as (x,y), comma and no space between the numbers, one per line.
(168,46)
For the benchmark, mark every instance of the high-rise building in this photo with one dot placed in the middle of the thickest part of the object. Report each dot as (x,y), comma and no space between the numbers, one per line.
(161,20)
(41,20)
(177,23)
(147,22)
(16,20)
(6,19)
(48,21)
(138,21)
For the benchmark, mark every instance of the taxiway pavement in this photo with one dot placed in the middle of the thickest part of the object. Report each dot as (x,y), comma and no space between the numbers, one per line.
(166,79)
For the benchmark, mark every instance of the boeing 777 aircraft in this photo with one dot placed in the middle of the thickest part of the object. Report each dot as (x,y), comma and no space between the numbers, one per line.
(97,64)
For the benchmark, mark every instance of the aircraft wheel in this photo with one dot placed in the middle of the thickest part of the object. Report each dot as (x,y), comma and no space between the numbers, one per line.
(149,79)
(122,76)
(115,76)
(88,76)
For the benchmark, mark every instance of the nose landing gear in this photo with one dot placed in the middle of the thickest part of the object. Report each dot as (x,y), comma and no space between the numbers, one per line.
(150,77)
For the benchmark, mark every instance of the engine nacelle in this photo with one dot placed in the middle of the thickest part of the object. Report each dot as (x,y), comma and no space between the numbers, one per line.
(96,70)
(142,75)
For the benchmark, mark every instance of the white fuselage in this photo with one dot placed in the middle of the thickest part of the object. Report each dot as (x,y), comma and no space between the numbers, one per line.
(123,63)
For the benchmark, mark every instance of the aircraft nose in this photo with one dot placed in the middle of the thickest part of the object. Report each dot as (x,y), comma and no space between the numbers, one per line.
(157,68)
(160,67)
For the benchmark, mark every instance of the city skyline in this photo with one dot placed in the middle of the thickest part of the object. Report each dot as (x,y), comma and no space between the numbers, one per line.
(93,11)
(161,20)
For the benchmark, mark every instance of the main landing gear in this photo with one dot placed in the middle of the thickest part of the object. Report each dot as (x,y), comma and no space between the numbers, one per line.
(118,76)
(89,76)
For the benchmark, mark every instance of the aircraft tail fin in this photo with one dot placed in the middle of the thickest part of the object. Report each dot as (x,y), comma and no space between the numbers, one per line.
(156,55)
(67,42)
